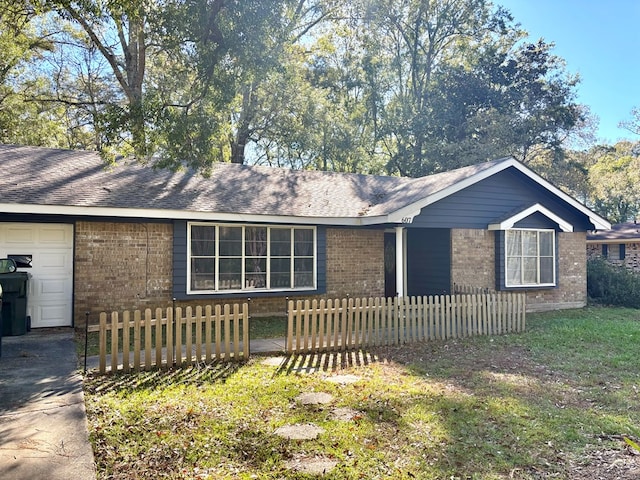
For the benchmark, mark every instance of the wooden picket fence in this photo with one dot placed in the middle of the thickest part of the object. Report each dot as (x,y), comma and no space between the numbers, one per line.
(167,337)
(322,325)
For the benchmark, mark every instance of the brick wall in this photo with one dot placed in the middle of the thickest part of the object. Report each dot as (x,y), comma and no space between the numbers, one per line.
(121,266)
(473,258)
(631,258)
(473,264)
(572,277)
(128,266)
(355,263)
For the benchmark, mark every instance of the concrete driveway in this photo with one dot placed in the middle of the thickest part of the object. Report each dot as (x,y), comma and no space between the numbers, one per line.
(43,423)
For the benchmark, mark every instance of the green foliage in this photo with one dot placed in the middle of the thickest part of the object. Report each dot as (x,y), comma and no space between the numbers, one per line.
(614,179)
(612,285)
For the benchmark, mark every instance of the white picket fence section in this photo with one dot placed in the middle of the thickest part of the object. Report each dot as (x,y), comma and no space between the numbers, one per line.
(320,325)
(150,340)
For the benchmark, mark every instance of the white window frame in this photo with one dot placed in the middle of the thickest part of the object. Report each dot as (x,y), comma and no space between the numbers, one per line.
(245,289)
(554,262)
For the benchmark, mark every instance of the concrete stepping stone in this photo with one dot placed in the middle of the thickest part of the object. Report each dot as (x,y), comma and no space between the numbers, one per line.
(273,361)
(343,379)
(314,398)
(299,431)
(312,465)
(344,414)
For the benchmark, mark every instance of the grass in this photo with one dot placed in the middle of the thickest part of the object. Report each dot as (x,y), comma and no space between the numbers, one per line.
(549,403)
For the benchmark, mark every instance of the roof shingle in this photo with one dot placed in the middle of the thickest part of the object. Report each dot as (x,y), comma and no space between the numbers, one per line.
(42,176)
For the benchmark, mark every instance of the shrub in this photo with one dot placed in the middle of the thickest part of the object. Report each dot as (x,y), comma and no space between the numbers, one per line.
(611,284)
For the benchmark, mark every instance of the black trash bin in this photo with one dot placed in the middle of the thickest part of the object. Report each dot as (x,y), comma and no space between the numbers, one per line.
(14,303)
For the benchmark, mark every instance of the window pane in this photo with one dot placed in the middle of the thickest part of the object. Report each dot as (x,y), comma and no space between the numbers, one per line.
(255,241)
(546,244)
(230,241)
(303,272)
(203,274)
(255,273)
(230,273)
(281,242)
(203,240)
(514,243)
(529,244)
(546,270)
(514,271)
(529,270)
(303,242)
(280,273)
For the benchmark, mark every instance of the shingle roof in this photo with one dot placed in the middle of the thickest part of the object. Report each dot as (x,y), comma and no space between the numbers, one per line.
(620,231)
(42,176)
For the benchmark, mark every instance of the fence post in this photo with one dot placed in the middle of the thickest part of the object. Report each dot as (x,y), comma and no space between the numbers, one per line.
(114,342)
(86,339)
(290,319)
(102,338)
(245,330)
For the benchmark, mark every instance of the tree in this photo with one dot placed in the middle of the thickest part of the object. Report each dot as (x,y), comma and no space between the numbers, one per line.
(614,178)
(179,67)
(633,125)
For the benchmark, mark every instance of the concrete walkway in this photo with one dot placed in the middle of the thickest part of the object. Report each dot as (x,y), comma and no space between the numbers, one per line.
(43,423)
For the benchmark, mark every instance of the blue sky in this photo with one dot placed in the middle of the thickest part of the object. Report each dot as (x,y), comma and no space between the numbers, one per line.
(600,41)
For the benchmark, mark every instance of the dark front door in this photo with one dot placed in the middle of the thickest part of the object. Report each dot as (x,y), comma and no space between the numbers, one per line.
(428,261)
(390,265)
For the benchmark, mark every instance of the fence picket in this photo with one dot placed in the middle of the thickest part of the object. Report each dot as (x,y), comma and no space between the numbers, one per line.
(102,339)
(245,331)
(169,342)
(188,333)
(126,331)
(227,329)
(179,323)
(218,331)
(137,339)
(114,341)
(314,321)
(158,323)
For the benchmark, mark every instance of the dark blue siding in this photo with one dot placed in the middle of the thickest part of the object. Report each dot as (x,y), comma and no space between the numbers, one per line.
(538,221)
(179,259)
(491,199)
(429,265)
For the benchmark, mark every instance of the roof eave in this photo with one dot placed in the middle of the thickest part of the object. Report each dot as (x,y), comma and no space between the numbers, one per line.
(148,213)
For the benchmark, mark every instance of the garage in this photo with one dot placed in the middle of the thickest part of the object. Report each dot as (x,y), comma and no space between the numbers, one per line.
(50,246)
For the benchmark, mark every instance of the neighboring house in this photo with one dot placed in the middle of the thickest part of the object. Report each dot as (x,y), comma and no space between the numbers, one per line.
(620,245)
(133,237)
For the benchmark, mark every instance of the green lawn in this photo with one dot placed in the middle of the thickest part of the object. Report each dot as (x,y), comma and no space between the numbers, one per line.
(553,402)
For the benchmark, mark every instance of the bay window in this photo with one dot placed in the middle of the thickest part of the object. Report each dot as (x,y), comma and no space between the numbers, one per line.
(234,258)
(530,258)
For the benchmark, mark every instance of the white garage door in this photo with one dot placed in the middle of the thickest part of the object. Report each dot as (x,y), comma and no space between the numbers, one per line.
(51,285)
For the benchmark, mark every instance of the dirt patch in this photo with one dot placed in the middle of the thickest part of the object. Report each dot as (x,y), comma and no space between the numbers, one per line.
(607,464)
